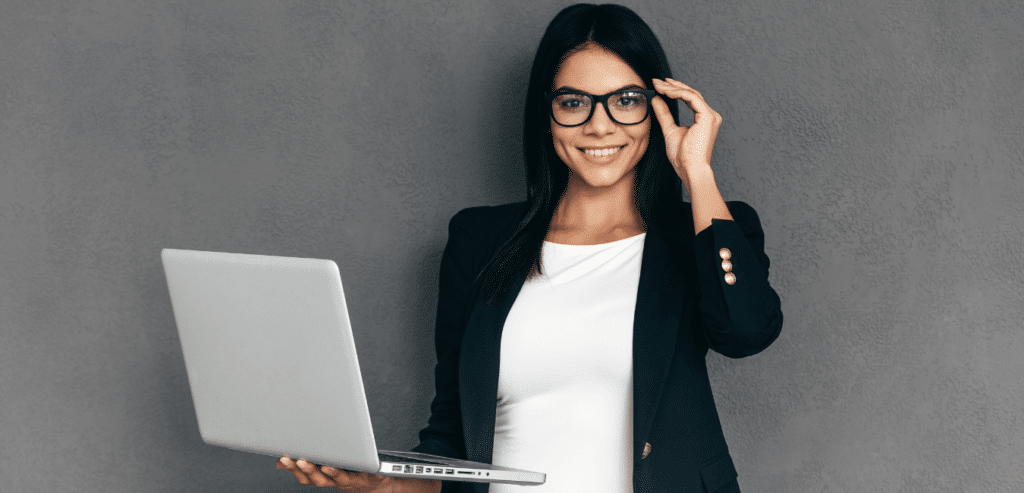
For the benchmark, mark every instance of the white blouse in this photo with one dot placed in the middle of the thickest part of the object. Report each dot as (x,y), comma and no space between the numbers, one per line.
(565,381)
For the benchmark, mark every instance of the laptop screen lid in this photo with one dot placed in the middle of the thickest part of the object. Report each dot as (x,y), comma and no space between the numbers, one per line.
(285,321)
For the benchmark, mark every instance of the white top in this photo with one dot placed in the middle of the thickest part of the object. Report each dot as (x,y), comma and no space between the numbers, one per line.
(565,381)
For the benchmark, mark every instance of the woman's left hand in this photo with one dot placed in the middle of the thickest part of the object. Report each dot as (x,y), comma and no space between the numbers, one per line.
(687,147)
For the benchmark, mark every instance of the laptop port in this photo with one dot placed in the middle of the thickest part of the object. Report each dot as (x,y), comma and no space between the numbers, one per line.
(396,468)
(419,469)
(467,472)
(428,469)
(449,471)
(408,469)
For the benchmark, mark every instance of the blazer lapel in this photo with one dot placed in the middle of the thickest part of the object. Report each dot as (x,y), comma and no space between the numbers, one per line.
(655,328)
(478,372)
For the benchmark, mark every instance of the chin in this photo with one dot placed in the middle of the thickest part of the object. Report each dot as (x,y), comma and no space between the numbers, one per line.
(600,178)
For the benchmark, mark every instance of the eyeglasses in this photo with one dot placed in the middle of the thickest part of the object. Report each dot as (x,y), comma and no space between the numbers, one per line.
(572,108)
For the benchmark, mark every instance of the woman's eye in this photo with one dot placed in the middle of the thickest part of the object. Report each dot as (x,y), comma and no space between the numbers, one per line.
(628,100)
(572,103)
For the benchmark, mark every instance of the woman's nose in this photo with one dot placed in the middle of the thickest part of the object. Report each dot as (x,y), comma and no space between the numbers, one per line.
(600,123)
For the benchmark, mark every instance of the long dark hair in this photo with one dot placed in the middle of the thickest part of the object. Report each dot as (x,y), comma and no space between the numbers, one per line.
(658,188)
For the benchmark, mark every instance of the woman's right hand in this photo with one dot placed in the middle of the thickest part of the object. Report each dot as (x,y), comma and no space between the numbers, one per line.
(354,482)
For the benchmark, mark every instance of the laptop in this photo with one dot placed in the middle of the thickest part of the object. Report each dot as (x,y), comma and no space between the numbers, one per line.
(272,366)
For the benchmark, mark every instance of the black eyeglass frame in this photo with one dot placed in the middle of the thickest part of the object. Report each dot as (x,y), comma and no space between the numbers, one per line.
(602,100)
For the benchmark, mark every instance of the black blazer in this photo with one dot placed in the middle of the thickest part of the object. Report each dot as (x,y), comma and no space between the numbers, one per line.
(683,308)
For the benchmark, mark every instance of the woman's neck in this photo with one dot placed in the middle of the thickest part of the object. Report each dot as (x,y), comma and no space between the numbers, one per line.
(590,215)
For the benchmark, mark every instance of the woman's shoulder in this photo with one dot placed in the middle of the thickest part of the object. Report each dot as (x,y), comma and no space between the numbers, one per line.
(477,232)
(489,218)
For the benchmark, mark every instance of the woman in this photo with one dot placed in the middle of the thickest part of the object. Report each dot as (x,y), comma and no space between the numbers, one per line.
(572,328)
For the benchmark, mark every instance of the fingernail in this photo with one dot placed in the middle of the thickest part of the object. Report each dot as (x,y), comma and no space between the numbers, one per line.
(328,470)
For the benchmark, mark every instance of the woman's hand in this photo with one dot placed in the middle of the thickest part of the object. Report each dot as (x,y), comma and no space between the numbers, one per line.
(354,482)
(688,148)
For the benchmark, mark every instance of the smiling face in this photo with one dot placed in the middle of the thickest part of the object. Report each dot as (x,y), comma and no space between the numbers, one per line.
(600,153)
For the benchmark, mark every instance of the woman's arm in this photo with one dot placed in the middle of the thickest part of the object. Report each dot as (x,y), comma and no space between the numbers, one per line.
(742,313)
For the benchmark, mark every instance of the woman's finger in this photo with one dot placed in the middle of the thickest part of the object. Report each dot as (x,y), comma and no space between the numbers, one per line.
(664,116)
(687,96)
(341,478)
(694,100)
(676,87)
(356,480)
(289,465)
(314,474)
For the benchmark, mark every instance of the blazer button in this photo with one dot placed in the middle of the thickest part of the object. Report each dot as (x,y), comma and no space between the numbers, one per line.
(725,254)
(730,278)
(726,265)
(647,450)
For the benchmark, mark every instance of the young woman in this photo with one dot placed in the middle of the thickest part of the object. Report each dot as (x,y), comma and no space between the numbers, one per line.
(572,328)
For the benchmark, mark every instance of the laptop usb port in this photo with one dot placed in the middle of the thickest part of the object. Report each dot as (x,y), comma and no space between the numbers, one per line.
(449,471)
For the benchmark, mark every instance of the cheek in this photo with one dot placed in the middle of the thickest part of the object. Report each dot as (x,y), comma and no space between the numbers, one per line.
(561,153)
(562,140)
(642,137)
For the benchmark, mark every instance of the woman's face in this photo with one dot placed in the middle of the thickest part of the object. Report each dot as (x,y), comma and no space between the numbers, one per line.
(600,153)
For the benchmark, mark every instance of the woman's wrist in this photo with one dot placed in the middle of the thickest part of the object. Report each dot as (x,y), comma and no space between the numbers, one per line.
(705,199)
(696,174)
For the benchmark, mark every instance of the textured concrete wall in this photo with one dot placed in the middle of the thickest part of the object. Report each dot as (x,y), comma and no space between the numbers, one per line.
(879,140)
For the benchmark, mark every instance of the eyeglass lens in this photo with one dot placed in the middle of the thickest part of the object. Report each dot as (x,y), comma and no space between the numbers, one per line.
(626,108)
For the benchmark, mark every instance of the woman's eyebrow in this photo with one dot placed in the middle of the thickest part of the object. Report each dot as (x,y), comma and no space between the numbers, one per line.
(623,88)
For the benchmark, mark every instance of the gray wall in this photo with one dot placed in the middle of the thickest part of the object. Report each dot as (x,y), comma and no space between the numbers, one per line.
(880,142)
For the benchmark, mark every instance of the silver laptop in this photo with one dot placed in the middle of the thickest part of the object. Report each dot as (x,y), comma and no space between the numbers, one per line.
(273,370)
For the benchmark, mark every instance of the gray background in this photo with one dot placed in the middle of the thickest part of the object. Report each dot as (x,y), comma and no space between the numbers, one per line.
(880,142)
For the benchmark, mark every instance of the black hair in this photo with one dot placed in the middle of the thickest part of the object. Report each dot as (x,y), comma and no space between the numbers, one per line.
(658,189)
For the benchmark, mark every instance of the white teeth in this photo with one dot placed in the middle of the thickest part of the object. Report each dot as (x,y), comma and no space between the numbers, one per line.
(602,152)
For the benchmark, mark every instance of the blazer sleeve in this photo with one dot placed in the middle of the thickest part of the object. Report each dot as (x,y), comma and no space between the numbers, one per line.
(443,434)
(745,317)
